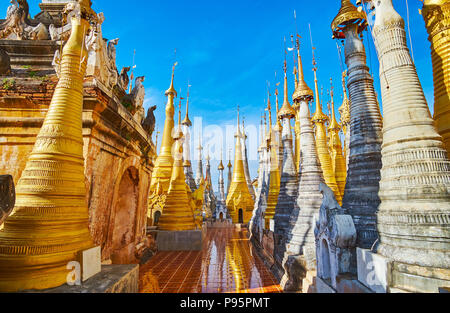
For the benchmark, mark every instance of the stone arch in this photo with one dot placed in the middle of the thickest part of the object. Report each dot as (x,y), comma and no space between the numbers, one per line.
(325,263)
(125,215)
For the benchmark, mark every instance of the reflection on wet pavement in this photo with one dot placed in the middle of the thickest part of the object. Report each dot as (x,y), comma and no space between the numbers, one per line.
(226,264)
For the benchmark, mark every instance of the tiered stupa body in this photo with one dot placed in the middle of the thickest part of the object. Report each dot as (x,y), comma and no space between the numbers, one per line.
(230,175)
(221,208)
(363,174)
(300,242)
(320,119)
(239,200)
(274,179)
(49,225)
(309,199)
(190,181)
(344,111)
(337,158)
(178,215)
(289,179)
(415,178)
(164,162)
(436,14)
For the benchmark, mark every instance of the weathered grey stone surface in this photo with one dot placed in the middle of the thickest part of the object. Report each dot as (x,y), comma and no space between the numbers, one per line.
(287,199)
(7,196)
(309,200)
(112,279)
(414,214)
(335,239)
(363,174)
(299,256)
(187,240)
(373,270)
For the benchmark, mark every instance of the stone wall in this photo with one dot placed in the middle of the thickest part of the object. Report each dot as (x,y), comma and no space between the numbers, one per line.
(118,156)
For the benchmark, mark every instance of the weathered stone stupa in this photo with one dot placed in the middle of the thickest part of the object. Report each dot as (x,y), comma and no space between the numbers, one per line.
(289,181)
(300,241)
(363,174)
(415,178)
(436,14)
(49,225)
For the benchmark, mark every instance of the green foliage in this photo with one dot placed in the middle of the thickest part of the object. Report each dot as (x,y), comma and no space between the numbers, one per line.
(8,83)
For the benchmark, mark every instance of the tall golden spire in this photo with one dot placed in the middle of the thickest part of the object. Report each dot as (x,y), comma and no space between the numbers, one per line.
(164,162)
(319,119)
(49,225)
(178,214)
(344,111)
(337,159)
(239,197)
(187,122)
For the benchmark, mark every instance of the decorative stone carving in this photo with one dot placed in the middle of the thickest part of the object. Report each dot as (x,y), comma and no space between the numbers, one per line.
(124,80)
(17,25)
(7,196)
(335,235)
(149,123)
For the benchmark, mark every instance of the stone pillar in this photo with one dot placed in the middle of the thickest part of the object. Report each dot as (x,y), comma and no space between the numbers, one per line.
(415,179)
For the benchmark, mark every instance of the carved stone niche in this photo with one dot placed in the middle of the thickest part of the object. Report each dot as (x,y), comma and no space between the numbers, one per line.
(7,196)
(335,235)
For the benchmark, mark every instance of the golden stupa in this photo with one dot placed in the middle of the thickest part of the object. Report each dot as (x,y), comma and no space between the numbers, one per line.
(275,177)
(337,158)
(436,14)
(278,130)
(50,222)
(164,162)
(319,119)
(178,214)
(239,201)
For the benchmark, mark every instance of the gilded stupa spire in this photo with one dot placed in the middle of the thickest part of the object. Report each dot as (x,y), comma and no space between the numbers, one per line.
(177,214)
(337,158)
(49,225)
(164,162)
(319,119)
(239,200)
(187,122)
(286,110)
(348,14)
(274,180)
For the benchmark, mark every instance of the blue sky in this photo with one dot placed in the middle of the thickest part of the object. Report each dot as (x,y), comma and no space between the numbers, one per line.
(229,49)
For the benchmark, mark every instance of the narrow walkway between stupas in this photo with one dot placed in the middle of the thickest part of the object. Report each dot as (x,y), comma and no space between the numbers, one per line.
(226,263)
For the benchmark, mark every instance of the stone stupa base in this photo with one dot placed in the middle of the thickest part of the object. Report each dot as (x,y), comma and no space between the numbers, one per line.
(185,240)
